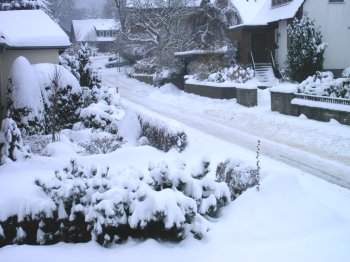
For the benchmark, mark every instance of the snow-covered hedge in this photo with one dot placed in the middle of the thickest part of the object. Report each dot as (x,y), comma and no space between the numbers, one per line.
(161,135)
(162,203)
(101,145)
(324,84)
(237,175)
(236,74)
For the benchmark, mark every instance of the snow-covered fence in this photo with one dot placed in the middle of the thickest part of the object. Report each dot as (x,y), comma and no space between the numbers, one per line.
(285,100)
(332,100)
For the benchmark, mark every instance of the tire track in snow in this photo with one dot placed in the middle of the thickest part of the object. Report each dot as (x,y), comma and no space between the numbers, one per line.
(332,171)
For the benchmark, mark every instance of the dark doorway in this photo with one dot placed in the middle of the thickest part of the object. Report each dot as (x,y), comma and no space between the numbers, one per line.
(259,48)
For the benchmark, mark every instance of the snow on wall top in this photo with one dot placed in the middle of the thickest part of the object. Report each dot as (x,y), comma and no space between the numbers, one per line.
(261,12)
(85,30)
(30,28)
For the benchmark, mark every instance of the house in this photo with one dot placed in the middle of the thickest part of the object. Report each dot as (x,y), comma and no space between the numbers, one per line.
(100,33)
(262,35)
(29,33)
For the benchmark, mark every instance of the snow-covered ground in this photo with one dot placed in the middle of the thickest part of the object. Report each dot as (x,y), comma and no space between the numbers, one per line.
(294,217)
(316,147)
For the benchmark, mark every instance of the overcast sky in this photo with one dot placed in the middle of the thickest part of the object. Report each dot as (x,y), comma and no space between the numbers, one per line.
(90,3)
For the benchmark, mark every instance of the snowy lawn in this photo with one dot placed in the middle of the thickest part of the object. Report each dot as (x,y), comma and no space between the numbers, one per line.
(294,216)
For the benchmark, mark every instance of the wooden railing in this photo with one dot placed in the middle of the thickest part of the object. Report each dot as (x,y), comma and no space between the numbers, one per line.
(326,99)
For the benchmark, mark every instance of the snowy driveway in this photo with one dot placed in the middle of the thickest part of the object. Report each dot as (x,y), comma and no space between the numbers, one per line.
(321,149)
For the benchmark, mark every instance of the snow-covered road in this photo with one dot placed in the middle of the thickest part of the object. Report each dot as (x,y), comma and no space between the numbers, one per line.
(321,149)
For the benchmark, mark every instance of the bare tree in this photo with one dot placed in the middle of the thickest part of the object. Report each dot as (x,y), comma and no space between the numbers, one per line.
(155,27)
(62,11)
(121,12)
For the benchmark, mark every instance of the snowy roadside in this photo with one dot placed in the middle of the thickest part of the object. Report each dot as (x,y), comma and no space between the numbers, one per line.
(294,217)
(319,148)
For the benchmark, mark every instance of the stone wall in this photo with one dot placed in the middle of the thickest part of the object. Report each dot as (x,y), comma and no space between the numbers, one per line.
(247,97)
(148,79)
(282,103)
(211,91)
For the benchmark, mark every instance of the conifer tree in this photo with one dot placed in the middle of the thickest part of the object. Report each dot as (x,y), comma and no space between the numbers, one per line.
(305,49)
(12,147)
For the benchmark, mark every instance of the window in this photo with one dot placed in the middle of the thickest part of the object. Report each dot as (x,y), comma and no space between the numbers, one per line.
(280,2)
(108,33)
(336,1)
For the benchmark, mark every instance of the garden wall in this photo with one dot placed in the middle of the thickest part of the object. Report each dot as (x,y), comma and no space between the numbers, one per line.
(245,96)
(211,91)
(148,79)
(313,107)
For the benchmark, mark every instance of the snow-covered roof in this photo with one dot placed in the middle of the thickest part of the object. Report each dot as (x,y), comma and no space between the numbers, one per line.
(249,9)
(30,28)
(150,4)
(85,30)
(106,24)
(260,12)
(200,52)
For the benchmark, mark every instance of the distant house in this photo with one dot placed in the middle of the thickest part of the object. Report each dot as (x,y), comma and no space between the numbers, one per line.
(100,33)
(29,33)
(263,32)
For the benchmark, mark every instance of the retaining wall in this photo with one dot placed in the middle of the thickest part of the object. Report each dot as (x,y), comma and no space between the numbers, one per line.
(210,91)
(247,96)
(148,79)
(291,104)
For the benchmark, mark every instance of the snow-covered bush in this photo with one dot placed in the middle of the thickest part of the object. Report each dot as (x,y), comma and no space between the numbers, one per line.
(305,48)
(324,84)
(37,143)
(162,136)
(236,74)
(206,66)
(101,116)
(169,74)
(25,102)
(145,66)
(69,190)
(163,203)
(12,147)
(101,145)
(24,5)
(237,175)
(346,73)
